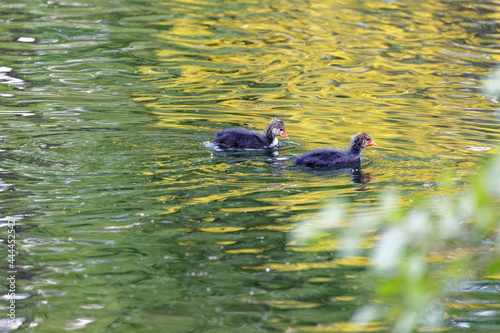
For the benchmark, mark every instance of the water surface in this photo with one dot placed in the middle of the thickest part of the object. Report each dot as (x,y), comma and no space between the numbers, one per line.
(129,219)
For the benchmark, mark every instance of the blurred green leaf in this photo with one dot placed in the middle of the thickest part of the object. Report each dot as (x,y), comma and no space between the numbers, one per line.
(422,251)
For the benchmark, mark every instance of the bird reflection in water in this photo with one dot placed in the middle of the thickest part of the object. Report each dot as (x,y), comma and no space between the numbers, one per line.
(355,170)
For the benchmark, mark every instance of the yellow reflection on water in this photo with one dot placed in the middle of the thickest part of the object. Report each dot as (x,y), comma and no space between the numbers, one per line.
(472,305)
(284,304)
(345,298)
(221,229)
(342,327)
(348,66)
(247,250)
(325,242)
(226,242)
(282,228)
(348,261)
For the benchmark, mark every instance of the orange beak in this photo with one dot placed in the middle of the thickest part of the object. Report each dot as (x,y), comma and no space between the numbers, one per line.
(370,143)
(283,134)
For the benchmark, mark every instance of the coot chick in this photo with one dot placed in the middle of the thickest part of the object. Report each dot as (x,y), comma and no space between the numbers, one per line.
(240,138)
(336,158)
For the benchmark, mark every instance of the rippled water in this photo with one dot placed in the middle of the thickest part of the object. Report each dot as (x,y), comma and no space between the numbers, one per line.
(129,220)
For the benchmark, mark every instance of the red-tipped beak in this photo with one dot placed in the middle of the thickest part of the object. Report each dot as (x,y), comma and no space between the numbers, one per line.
(370,143)
(283,134)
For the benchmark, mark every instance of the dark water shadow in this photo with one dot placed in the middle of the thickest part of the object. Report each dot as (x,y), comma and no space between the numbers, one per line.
(355,170)
(235,156)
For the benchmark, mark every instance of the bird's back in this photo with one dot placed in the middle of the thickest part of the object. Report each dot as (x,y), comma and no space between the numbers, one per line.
(326,158)
(240,138)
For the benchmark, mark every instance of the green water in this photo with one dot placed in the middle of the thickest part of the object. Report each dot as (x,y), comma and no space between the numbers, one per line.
(129,220)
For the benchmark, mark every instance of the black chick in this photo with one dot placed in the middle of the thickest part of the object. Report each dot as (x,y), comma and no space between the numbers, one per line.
(334,157)
(241,138)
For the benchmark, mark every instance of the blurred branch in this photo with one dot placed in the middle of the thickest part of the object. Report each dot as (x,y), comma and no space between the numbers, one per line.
(422,251)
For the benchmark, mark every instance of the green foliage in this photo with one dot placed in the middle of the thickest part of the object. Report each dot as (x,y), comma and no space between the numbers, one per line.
(423,250)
